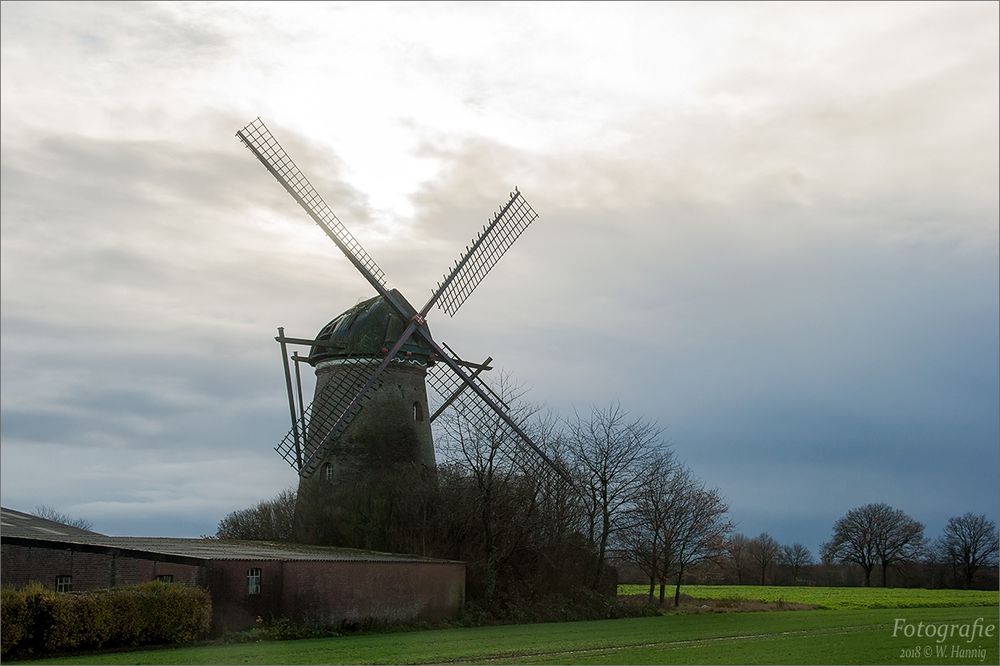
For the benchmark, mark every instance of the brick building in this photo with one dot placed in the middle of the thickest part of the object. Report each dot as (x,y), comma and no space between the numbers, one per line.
(246,579)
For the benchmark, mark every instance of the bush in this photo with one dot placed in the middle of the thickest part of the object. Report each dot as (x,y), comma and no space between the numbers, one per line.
(37,620)
(280,629)
(16,630)
(579,604)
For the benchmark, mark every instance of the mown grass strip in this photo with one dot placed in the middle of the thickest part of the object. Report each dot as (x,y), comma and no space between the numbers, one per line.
(851,636)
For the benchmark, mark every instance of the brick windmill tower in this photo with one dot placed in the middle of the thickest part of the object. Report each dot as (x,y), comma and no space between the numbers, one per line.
(370,417)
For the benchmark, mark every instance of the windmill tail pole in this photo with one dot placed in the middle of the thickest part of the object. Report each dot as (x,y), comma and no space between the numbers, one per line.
(291,398)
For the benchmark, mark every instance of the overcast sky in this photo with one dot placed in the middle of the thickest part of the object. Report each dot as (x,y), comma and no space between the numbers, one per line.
(771,228)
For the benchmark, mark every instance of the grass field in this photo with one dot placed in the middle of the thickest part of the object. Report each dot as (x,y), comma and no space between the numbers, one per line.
(803,637)
(835,597)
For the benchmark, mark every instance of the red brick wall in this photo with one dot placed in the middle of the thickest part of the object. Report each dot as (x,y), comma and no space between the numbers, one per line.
(320,592)
(335,592)
(21,564)
(331,592)
(232,606)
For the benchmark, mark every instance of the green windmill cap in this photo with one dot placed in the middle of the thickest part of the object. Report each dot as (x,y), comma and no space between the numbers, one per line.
(365,331)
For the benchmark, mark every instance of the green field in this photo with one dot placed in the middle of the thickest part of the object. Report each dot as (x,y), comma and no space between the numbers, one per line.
(803,637)
(835,597)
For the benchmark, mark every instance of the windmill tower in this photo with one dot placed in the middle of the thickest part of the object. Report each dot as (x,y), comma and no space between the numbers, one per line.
(373,362)
(387,449)
(395,424)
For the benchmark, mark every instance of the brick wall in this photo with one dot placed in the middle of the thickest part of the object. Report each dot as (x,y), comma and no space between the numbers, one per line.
(335,592)
(20,564)
(331,592)
(303,591)
(232,605)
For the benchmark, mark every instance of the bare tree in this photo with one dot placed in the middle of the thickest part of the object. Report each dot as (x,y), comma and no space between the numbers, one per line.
(559,501)
(899,539)
(270,520)
(875,534)
(49,513)
(968,544)
(700,529)
(476,448)
(610,450)
(852,542)
(738,554)
(653,504)
(795,556)
(763,551)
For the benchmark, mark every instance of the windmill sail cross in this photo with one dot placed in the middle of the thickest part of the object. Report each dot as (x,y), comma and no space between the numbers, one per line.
(336,406)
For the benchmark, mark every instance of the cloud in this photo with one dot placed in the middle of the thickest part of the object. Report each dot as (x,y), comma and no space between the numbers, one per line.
(143,493)
(774,231)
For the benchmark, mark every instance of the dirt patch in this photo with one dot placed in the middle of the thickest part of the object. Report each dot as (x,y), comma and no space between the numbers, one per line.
(692,605)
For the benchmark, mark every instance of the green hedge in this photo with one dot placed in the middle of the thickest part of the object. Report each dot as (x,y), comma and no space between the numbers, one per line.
(37,620)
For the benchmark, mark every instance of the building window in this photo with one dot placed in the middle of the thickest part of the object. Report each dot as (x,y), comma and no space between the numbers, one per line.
(328,471)
(253,581)
(165,578)
(64,583)
(418,412)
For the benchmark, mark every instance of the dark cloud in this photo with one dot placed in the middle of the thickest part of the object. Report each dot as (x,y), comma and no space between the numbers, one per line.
(790,260)
(806,349)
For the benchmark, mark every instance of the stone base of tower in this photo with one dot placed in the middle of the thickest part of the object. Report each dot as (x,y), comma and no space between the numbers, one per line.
(368,492)
(390,511)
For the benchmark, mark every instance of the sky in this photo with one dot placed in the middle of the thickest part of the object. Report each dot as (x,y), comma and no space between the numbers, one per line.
(770,228)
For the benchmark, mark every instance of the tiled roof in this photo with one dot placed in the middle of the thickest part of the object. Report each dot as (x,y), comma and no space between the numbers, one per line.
(16,523)
(15,528)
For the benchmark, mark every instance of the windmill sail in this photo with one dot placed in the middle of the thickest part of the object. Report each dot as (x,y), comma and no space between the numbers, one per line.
(447,386)
(476,419)
(334,405)
(266,148)
(484,253)
(479,410)
(444,401)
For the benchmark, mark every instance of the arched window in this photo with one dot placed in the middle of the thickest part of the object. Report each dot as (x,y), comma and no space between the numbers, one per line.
(418,412)
(328,471)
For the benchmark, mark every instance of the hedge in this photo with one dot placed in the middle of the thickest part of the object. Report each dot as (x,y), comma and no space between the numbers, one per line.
(37,620)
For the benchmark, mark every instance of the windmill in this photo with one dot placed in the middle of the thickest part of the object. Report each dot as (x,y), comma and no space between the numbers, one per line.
(385,335)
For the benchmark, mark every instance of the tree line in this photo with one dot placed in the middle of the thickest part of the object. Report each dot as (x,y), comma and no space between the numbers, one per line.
(880,537)
(633,512)
(873,543)
(523,532)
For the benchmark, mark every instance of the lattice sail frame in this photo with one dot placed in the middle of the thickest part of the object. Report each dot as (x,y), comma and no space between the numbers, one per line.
(475,419)
(269,152)
(316,425)
(486,250)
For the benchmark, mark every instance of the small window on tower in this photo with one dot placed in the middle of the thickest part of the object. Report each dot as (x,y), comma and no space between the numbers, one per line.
(253,581)
(328,471)
(418,412)
(64,583)
(165,578)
